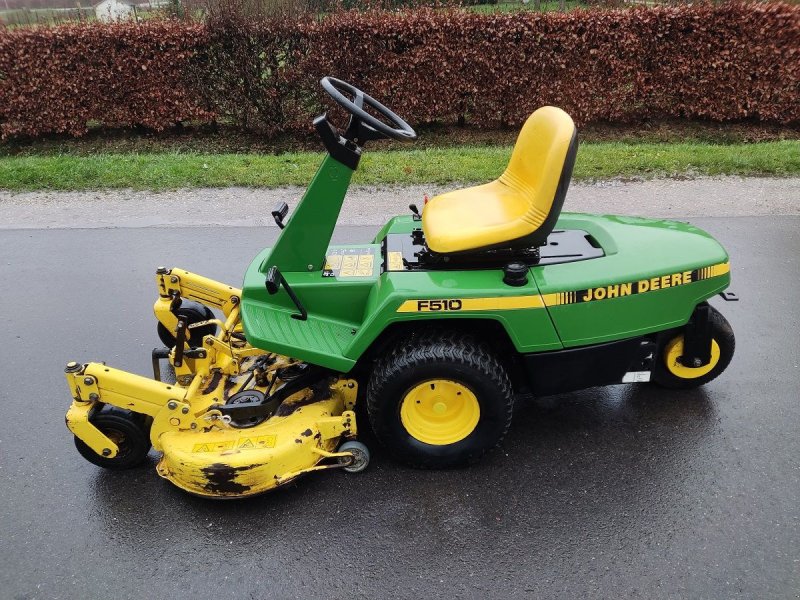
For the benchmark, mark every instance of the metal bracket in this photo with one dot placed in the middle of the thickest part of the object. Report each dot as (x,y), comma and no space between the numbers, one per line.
(697,339)
(158,354)
(180,340)
(729,296)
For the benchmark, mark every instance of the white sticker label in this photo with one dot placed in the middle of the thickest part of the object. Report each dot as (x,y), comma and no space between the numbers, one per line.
(636,377)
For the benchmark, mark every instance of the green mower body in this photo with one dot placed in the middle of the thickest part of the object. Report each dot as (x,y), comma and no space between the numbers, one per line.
(602,287)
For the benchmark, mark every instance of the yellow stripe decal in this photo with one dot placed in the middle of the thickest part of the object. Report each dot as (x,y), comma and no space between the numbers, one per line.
(608,292)
(619,290)
(457,304)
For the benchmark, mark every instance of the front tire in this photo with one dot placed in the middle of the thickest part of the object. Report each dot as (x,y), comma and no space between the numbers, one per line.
(439,400)
(670,372)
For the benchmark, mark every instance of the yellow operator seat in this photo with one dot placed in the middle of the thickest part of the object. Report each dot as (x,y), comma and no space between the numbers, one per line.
(520,208)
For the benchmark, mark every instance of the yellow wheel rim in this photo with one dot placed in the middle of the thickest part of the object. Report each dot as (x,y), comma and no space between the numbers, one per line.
(440,412)
(674,351)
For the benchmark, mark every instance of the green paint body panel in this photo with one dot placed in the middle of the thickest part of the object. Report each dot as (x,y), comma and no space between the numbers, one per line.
(351,304)
(302,247)
(635,249)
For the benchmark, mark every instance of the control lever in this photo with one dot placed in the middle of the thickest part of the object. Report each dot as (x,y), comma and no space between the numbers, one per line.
(415,210)
(279,214)
(274,281)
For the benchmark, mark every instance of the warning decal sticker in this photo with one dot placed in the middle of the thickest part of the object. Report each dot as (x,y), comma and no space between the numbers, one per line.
(349,262)
(395,261)
(243,443)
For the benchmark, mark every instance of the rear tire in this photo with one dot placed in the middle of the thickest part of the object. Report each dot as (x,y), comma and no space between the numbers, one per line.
(669,372)
(131,433)
(439,400)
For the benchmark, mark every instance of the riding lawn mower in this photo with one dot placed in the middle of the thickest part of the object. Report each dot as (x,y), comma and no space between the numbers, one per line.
(431,329)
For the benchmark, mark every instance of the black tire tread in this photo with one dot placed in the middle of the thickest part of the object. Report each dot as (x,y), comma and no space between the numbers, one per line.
(196,312)
(111,415)
(438,345)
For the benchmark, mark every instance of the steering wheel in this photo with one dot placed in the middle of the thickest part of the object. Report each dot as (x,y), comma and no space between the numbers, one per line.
(395,127)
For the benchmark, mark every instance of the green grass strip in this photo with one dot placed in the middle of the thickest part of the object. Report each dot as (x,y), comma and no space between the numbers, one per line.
(438,165)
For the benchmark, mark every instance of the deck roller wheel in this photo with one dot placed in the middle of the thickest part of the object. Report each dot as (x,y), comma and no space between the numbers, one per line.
(195,312)
(128,430)
(360,458)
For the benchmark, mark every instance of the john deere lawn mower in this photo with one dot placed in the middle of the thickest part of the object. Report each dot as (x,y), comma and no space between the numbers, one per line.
(433,328)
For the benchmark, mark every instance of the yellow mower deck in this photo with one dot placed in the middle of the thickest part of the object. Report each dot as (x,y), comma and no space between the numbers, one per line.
(244,462)
(203,451)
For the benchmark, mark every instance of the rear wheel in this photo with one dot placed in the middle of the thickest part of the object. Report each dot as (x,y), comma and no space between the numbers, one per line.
(670,371)
(439,400)
(128,430)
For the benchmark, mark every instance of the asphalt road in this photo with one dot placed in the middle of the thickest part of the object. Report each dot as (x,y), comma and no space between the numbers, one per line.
(617,492)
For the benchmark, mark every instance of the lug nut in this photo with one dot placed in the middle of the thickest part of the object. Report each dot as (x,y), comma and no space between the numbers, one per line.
(162,271)
(173,279)
(88,380)
(106,451)
(94,397)
(172,405)
(185,410)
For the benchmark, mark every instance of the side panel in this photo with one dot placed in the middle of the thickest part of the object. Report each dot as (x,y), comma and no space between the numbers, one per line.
(579,368)
(334,298)
(442,295)
(651,280)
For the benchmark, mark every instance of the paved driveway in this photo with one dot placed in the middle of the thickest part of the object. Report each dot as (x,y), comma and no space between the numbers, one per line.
(617,492)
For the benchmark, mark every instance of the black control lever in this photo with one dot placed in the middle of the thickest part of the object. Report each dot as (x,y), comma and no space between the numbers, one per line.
(279,213)
(274,281)
(415,210)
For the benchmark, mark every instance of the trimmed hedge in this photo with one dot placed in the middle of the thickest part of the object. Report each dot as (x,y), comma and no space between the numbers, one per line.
(63,79)
(723,63)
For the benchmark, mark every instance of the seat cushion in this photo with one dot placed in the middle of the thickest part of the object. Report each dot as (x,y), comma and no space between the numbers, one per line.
(475,217)
(518,208)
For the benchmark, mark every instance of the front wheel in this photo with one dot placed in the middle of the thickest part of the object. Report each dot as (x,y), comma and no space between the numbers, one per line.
(439,400)
(669,370)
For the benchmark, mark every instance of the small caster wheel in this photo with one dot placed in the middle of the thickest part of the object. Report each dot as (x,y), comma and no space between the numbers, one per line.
(360,458)
(196,313)
(128,430)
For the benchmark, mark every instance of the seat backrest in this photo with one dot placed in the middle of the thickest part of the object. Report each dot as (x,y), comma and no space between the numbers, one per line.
(540,168)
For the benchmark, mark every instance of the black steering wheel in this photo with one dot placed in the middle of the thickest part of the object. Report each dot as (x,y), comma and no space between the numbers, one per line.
(363,126)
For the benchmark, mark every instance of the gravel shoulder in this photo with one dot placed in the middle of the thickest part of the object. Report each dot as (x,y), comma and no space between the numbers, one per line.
(369,205)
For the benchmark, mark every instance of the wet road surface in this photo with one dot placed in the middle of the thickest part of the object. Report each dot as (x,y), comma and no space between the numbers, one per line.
(617,492)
